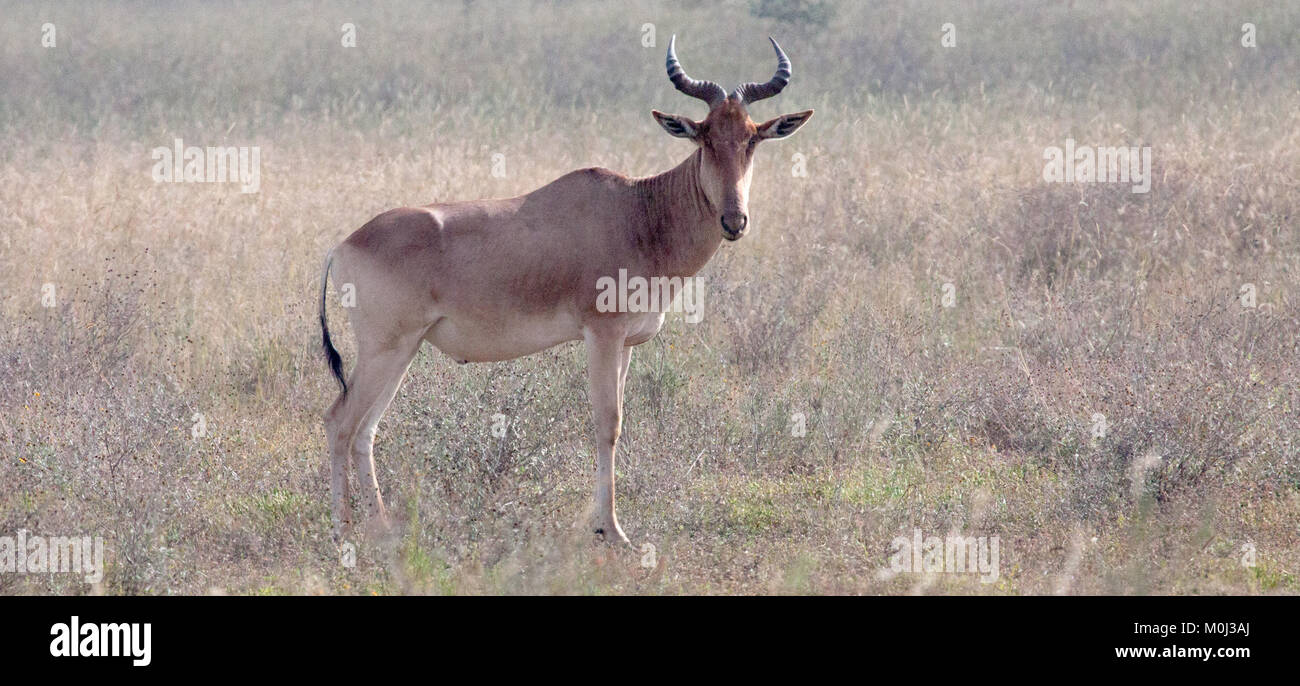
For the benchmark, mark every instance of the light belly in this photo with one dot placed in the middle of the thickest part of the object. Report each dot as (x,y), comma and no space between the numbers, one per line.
(466,340)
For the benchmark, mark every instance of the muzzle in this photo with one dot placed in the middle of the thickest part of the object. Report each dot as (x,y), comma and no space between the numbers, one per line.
(734,225)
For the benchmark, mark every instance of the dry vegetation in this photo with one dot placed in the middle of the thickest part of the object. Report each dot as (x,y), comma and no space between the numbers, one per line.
(924,168)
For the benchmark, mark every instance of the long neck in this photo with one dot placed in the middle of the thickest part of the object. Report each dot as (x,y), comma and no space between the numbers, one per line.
(681,231)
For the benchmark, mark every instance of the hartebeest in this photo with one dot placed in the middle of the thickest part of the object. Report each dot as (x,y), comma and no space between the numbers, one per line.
(492,280)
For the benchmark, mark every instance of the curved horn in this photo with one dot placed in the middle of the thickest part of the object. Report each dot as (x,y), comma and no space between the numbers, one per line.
(707,91)
(753,92)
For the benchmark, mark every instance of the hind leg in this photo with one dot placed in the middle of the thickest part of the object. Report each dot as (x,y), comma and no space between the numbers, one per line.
(392,372)
(340,489)
(351,424)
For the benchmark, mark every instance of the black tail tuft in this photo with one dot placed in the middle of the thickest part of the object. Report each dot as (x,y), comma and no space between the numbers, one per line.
(331,353)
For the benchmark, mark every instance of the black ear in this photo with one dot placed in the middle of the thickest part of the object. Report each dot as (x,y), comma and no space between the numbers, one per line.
(675,124)
(783,125)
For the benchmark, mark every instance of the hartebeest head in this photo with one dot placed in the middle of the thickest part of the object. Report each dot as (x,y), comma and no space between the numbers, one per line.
(727,137)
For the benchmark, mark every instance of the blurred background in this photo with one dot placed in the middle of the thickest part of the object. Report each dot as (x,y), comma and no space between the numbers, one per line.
(161,382)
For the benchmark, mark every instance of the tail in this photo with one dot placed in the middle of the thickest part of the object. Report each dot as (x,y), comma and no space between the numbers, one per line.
(331,353)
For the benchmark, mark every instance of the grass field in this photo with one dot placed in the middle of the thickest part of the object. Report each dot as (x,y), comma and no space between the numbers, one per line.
(948,324)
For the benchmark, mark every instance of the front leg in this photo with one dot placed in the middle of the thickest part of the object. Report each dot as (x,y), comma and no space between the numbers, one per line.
(605,356)
(622,375)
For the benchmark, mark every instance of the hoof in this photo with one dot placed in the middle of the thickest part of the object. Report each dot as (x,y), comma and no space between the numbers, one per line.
(613,534)
(342,532)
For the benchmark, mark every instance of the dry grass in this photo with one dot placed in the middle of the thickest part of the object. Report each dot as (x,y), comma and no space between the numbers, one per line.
(924,168)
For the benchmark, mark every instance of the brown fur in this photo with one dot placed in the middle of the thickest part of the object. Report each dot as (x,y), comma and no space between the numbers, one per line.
(493,280)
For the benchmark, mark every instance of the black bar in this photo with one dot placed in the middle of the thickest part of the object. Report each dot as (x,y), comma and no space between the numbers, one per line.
(226,636)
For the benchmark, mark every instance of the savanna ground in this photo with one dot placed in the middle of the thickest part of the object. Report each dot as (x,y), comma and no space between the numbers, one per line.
(175,303)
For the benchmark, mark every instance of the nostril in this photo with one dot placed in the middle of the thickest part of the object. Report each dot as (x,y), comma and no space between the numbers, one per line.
(734,223)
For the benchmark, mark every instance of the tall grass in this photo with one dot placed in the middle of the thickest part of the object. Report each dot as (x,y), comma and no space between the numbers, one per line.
(175,301)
